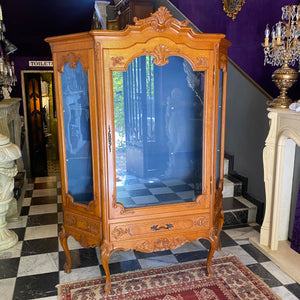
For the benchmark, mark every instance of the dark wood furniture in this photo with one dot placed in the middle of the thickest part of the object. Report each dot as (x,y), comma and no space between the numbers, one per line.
(141,116)
(128,9)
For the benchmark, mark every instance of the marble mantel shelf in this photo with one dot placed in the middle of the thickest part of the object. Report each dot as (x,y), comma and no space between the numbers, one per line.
(278,159)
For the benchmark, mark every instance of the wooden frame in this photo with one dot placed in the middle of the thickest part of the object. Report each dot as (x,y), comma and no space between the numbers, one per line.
(105,222)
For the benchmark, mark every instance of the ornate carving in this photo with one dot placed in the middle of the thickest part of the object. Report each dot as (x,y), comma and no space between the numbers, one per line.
(232,7)
(160,244)
(117,60)
(120,231)
(82,224)
(223,62)
(70,58)
(201,62)
(201,222)
(160,54)
(161,20)
(97,50)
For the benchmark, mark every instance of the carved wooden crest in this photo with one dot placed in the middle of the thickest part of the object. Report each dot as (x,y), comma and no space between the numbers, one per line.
(161,20)
(161,54)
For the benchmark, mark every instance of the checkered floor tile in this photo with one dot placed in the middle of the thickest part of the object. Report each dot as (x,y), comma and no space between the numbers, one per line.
(34,266)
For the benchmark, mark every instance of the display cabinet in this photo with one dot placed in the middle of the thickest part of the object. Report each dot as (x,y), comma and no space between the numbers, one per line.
(141,116)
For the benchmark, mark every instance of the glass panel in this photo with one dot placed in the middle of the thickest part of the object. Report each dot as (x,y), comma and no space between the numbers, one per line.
(219,126)
(77,133)
(158,132)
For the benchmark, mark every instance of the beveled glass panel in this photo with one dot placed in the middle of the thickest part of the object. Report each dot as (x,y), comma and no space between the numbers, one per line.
(76,108)
(158,114)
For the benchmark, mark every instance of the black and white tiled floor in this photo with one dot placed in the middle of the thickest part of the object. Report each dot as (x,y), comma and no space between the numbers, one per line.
(32,268)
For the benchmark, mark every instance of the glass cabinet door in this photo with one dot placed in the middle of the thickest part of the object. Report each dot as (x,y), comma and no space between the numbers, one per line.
(76,115)
(158,113)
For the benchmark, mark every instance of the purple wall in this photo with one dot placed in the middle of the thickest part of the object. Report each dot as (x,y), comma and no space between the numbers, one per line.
(246,33)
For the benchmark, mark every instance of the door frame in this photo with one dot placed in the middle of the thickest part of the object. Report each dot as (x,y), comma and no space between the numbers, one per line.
(23,72)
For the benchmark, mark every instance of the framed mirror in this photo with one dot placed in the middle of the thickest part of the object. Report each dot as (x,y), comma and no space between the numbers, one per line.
(232,7)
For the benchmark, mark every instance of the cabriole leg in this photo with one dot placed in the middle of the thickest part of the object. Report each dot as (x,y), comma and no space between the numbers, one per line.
(105,253)
(63,237)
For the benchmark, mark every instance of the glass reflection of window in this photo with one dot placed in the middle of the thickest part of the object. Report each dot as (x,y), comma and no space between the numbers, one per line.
(158,132)
(219,126)
(77,133)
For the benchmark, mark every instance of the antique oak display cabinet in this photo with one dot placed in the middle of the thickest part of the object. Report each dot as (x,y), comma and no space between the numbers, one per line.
(141,116)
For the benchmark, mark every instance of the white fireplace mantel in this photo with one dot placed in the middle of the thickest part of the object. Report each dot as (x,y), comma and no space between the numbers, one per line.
(278,159)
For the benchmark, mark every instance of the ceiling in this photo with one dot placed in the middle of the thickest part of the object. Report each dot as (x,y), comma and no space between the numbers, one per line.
(29,22)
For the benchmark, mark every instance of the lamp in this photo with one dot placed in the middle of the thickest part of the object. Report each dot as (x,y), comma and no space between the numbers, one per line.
(8,47)
(283,49)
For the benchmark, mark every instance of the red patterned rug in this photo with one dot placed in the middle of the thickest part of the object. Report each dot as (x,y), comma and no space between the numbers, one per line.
(231,280)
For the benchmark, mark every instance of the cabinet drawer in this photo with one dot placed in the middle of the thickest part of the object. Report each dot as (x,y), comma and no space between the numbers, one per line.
(124,231)
(82,224)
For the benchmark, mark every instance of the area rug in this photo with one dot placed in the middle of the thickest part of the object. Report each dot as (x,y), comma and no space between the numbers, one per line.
(186,281)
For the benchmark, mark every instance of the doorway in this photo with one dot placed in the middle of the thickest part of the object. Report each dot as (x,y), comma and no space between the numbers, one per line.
(40,122)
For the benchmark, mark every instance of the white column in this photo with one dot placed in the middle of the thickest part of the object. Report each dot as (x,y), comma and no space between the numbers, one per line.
(100,8)
(8,169)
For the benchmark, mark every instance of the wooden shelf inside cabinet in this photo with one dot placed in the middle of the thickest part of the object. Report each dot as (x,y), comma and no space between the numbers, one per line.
(141,115)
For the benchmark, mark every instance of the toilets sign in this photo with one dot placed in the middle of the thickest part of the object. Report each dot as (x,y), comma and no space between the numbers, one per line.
(40,63)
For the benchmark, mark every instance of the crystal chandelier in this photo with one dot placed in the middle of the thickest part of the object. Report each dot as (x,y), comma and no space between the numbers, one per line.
(7,69)
(283,49)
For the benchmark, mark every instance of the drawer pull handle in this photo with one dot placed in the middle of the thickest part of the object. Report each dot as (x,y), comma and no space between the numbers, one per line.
(156,227)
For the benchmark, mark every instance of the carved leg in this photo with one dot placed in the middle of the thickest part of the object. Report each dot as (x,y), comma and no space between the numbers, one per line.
(213,246)
(63,237)
(220,225)
(214,242)
(105,253)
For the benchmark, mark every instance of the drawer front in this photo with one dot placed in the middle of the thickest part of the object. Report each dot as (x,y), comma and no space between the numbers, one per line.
(125,231)
(81,223)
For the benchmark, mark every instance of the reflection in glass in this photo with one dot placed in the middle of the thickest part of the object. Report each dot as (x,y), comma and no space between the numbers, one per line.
(77,133)
(219,126)
(158,132)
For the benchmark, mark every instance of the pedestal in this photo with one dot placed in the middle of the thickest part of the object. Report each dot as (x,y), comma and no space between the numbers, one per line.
(8,169)
(10,123)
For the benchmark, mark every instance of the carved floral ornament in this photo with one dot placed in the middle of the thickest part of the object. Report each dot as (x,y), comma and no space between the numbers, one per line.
(232,7)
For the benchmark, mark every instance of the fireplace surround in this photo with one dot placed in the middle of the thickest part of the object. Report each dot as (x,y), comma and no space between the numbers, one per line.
(278,159)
